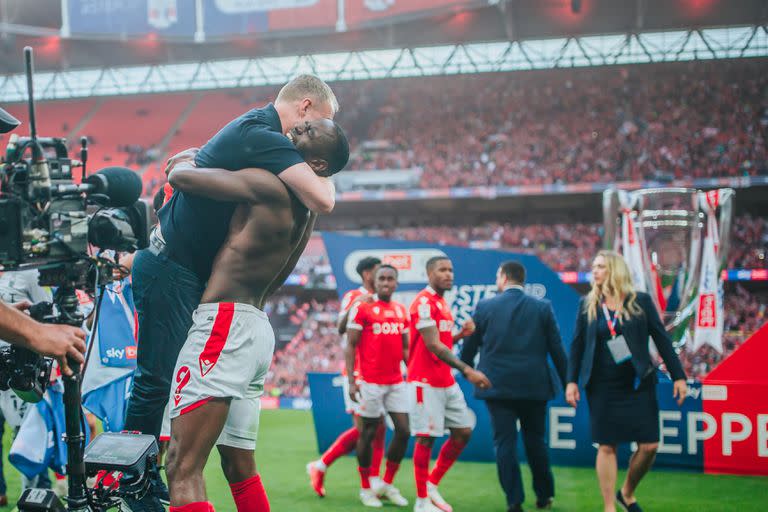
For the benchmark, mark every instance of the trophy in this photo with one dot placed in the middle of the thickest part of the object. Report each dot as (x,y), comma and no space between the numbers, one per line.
(675,242)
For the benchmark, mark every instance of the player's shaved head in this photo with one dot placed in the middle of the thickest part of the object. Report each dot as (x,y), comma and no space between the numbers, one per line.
(323,145)
(440,273)
(434,260)
(385,282)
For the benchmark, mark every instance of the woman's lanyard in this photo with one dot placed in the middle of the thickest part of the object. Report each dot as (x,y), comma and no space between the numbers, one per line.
(611,323)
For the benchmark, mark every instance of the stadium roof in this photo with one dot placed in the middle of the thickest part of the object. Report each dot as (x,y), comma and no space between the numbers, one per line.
(386,24)
(647,47)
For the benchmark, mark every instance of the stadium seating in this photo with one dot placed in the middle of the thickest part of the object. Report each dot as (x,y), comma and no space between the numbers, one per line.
(54,118)
(564,126)
(149,117)
(642,122)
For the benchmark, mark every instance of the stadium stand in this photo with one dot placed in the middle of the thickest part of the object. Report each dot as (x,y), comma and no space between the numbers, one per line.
(563,126)
(657,122)
(54,118)
(149,117)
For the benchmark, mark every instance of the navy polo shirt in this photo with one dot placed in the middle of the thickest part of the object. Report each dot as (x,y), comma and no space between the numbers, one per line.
(195,227)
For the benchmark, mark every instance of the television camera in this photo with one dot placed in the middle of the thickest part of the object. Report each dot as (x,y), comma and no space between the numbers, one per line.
(50,222)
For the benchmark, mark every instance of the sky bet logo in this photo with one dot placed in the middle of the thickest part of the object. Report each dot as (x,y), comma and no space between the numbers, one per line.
(116,353)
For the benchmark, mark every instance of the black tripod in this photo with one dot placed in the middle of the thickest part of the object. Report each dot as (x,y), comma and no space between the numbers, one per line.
(131,456)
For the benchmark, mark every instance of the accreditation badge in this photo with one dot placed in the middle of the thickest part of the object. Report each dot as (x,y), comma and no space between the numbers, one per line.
(619,349)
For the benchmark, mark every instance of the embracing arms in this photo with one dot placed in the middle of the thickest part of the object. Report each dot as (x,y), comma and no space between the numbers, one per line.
(315,192)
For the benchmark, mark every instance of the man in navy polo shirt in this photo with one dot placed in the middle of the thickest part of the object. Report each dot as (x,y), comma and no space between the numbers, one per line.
(169,277)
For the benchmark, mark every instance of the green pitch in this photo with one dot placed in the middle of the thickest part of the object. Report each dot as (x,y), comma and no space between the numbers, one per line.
(287,443)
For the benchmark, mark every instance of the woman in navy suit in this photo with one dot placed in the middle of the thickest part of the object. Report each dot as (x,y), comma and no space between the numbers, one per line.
(610,358)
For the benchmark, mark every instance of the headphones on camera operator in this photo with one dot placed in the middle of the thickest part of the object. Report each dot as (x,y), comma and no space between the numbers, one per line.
(46,223)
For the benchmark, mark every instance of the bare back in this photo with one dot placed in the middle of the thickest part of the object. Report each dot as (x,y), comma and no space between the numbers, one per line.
(261,240)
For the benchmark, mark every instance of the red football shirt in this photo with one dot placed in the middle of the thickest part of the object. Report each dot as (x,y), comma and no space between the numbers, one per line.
(350,296)
(346,303)
(380,349)
(430,309)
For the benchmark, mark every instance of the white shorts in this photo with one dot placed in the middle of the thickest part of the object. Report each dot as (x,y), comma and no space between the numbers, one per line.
(349,406)
(378,399)
(227,355)
(437,409)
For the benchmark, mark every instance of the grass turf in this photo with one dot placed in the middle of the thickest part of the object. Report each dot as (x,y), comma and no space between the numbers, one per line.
(287,443)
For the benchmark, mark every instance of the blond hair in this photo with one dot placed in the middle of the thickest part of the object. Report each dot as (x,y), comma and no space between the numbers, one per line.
(308,86)
(617,283)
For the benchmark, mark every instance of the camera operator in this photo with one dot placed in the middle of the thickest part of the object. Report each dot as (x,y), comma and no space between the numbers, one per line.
(57,341)
(21,289)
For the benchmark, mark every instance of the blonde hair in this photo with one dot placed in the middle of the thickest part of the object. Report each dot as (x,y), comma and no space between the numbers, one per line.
(618,283)
(308,86)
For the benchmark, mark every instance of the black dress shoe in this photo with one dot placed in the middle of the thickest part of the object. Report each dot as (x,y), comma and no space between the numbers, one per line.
(544,504)
(634,507)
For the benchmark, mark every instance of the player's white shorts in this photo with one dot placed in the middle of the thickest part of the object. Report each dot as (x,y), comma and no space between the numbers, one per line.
(378,399)
(349,406)
(436,409)
(227,354)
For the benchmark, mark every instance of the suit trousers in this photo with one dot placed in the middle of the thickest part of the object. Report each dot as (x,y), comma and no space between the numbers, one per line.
(532,415)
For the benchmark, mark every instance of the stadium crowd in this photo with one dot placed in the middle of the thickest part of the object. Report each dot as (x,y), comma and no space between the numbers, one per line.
(316,347)
(567,126)
(630,123)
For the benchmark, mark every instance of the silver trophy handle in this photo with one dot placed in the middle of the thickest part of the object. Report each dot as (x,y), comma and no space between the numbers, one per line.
(726,217)
(610,218)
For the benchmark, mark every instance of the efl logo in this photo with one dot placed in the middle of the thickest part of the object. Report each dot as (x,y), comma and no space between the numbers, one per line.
(707,314)
(399,261)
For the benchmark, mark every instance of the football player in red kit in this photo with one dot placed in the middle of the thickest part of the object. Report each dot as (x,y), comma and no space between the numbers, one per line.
(439,402)
(347,440)
(378,342)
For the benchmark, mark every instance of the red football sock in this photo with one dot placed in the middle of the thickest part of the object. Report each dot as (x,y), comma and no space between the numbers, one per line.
(389,474)
(421,455)
(378,449)
(448,455)
(365,477)
(199,506)
(344,444)
(250,495)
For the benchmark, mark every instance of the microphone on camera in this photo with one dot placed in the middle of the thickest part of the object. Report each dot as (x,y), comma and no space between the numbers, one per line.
(121,186)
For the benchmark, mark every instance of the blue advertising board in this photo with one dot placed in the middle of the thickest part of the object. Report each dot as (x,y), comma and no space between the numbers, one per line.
(568,436)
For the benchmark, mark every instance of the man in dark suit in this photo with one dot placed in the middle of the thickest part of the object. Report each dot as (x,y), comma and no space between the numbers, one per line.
(514,333)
